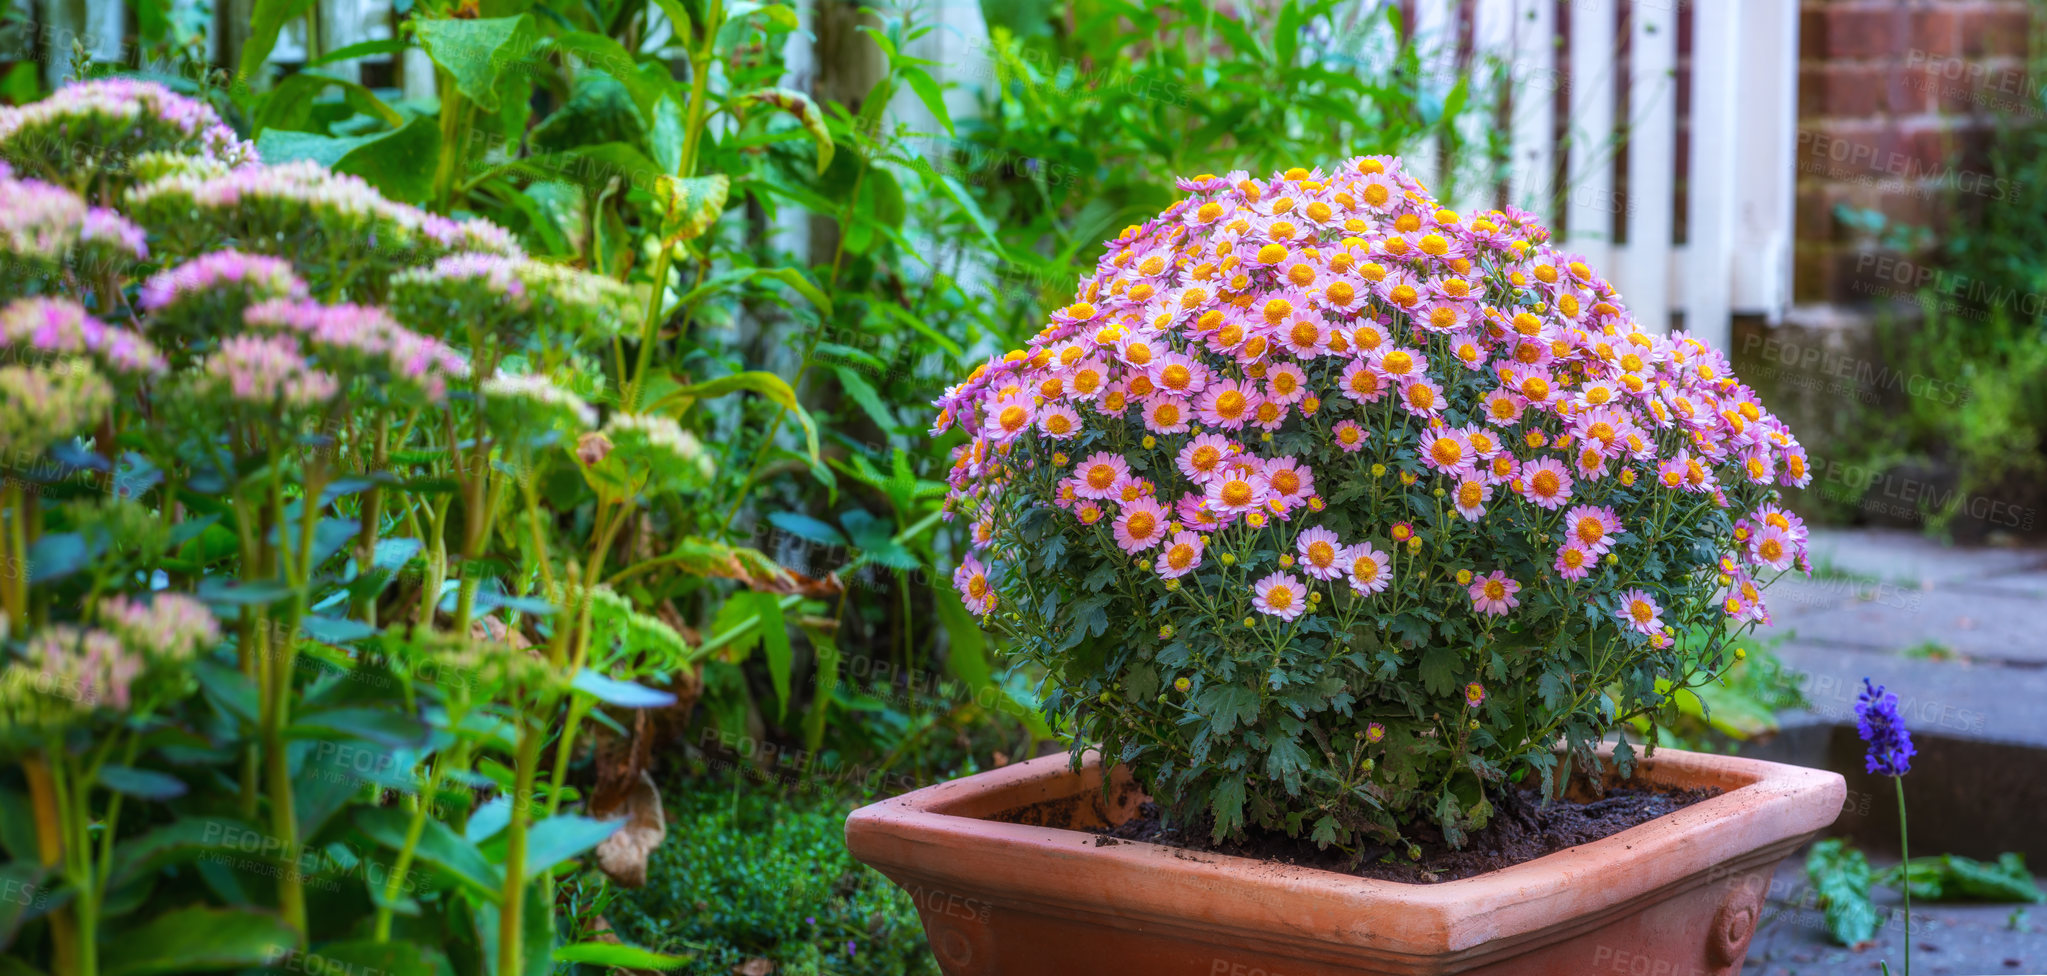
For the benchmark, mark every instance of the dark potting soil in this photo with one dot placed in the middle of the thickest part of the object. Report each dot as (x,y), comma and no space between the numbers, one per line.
(1522,829)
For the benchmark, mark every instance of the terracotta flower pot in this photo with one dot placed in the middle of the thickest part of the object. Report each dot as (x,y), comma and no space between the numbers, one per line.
(1677,896)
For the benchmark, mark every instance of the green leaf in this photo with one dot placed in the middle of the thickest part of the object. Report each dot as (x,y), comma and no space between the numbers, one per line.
(383,726)
(603,54)
(1227,705)
(624,694)
(177,842)
(368,956)
(599,110)
(21,890)
(617,954)
(690,206)
(389,161)
(268,18)
(198,940)
(1439,669)
(807,115)
(775,640)
(142,784)
(827,675)
(360,49)
(757,381)
(557,839)
(1227,804)
(929,93)
(966,645)
(1951,877)
(1841,877)
(289,105)
(667,134)
(438,846)
(476,52)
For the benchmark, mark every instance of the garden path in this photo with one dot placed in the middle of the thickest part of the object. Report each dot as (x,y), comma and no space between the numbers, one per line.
(1960,634)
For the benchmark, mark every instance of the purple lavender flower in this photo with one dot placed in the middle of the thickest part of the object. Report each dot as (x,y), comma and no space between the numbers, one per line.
(255,275)
(1878,722)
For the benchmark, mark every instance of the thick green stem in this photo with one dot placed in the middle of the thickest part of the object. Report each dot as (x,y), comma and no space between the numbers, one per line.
(511,917)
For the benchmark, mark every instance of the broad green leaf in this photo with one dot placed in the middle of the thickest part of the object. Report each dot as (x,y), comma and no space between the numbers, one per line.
(690,206)
(142,784)
(289,105)
(928,92)
(557,839)
(603,54)
(775,640)
(360,49)
(807,115)
(22,890)
(383,726)
(188,940)
(617,954)
(477,52)
(624,694)
(1951,877)
(827,683)
(806,527)
(182,840)
(1840,876)
(389,161)
(368,956)
(268,18)
(666,134)
(439,846)
(757,381)
(599,110)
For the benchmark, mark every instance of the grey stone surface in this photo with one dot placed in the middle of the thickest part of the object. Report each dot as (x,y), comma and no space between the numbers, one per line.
(1974,623)
(1899,556)
(1948,939)
(1960,699)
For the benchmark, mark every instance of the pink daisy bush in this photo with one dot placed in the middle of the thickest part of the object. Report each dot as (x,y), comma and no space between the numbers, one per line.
(1310,457)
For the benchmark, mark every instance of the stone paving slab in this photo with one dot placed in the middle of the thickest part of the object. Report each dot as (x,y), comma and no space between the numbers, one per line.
(1990,626)
(1901,556)
(1960,699)
(1948,938)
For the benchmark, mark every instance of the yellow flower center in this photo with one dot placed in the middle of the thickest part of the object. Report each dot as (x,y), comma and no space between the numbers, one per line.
(1545,482)
(1100,477)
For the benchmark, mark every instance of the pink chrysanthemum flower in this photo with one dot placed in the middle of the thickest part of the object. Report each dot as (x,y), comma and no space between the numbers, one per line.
(1574,561)
(1773,547)
(1203,456)
(1281,595)
(1141,525)
(1545,482)
(1182,555)
(1059,421)
(1166,414)
(971,579)
(1228,404)
(1639,611)
(1010,417)
(1470,497)
(1237,489)
(1493,594)
(1349,436)
(1423,398)
(1291,481)
(1361,384)
(1593,526)
(1321,553)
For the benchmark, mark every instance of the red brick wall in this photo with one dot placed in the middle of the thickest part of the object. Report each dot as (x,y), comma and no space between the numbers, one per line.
(1896,103)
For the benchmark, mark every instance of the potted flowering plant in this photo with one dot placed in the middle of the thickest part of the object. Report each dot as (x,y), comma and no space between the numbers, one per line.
(1331,514)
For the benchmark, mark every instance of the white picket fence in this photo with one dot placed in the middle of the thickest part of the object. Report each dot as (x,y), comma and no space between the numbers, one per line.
(1742,120)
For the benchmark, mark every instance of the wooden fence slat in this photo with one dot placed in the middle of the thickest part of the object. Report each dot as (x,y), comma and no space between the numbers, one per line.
(1709,220)
(1766,195)
(1588,191)
(1435,42)
(1476,182)
(1643,273)
(1532,106)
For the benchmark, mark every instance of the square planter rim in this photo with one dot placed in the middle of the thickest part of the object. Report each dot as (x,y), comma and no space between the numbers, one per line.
(1766,810)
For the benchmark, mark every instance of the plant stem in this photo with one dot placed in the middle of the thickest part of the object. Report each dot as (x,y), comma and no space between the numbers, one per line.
(50,831)
(511,914)
(1905,855)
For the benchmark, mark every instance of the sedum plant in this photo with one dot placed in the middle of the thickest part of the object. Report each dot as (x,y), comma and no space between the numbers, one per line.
(1331,511)
(311,498)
